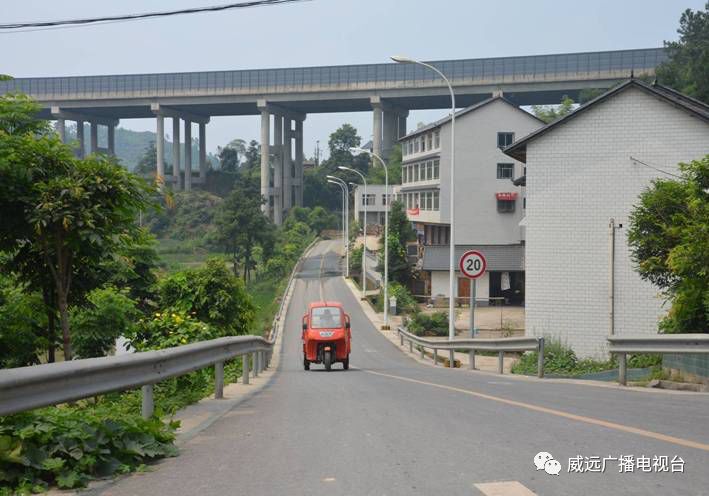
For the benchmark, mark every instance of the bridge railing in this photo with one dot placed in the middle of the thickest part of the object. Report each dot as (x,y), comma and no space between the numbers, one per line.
(500,345)
(661,343)
(26,388)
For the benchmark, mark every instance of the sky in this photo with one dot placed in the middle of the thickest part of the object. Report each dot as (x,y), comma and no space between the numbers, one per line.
(320,32)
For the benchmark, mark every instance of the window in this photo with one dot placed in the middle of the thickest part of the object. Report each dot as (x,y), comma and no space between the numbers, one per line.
(505,206)
(505,171)
(416,145)
(384,199)
(435,200)
(369,199)
(410,146)
(437,139)
(505,139)
(423,143)
(429,139)
(436,166)
(429,200)
(416,173)
(324,317)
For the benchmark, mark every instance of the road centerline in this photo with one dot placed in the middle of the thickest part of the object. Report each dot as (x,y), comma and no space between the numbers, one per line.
(558,413)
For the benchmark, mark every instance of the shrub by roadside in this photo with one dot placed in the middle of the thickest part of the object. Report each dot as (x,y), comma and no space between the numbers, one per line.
(422,324)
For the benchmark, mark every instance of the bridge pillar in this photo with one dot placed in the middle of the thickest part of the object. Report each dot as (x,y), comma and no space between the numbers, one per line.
(401,123)
(112,140)
(61,129)
(202,153)
(278,169)
(94,137)
(188,156)
(265,159)
(176,180)
(376,125)
(160,151)
(389,131)
(80,137)
(299,162)
(287,164)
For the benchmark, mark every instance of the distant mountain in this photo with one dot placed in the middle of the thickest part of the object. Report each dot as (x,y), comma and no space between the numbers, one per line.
(131,145)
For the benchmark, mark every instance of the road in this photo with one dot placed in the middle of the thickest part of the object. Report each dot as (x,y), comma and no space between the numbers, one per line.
(393,426)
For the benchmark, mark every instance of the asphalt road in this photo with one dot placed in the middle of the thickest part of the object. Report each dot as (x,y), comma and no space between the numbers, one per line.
(392,426)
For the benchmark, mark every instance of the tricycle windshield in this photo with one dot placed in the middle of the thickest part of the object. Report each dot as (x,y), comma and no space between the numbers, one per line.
(323,317)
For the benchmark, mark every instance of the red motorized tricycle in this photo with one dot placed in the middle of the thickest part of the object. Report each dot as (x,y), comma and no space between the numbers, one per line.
(326,335)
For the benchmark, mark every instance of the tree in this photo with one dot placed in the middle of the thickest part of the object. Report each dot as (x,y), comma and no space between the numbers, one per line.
(400,232)
(213,295)
(148,162)
(687,69)
(550,113)
(241,226)
(376,173)
(669,242)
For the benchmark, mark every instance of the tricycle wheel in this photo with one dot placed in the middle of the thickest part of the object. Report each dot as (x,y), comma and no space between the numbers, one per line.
(327,360)
(346,363)
(306,364)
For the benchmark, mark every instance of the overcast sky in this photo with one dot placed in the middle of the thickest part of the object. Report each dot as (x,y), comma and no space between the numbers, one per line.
(321,32)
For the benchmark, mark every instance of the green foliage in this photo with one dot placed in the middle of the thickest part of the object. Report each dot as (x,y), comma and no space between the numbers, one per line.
(69,446)
(687,69)
(405,302)
(550,113)
(400,231)
(356,260)
(422,324)
(242,226)
(109,314)
(320,219)
(188,215)
(668,238)
(559,359)
(171,328)
(376,173)
(213,293)
(644,361)
(22,321)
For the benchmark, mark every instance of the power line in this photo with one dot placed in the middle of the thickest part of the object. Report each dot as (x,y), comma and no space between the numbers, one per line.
(132,17)
(655,168)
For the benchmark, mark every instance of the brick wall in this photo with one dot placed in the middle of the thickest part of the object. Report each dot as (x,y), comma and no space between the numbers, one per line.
(578,177)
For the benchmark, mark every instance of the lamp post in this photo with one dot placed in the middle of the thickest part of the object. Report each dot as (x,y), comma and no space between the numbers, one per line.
(386,230)
(346,215)
(364,246)
(399,59)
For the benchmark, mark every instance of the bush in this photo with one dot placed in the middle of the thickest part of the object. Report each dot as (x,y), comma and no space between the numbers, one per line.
(422,324)
(69,446)
(559,359)
(405,303)
(22,320)
(108,315)
(213,294)
(170,328)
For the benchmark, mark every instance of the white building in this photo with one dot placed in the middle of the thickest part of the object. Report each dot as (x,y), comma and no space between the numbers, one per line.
(376,201)
(489,207)
(582,171)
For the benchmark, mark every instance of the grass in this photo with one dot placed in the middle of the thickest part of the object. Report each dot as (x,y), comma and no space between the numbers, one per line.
(266,295)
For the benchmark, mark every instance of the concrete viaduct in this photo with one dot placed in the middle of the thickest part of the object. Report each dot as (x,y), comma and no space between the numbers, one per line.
(283,98)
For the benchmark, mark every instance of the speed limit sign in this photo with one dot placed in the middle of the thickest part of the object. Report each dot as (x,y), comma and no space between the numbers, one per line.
(472,264)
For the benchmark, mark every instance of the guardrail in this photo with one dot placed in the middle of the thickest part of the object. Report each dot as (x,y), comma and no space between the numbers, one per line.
(663,343)
(500,345)
(26,388)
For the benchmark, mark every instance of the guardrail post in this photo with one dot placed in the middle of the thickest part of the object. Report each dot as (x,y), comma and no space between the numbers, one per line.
(219,380)
(421,351)
(411,346)
(435,357)
(245,367)
(471,359)
(622,371)
(500,362)
(540,359)
(451,359)
(148,403)
(401,338)
(255,363)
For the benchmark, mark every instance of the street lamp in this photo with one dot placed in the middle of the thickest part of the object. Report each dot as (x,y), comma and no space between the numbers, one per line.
(345,219)
(400,59)
(386,230)
(364,247)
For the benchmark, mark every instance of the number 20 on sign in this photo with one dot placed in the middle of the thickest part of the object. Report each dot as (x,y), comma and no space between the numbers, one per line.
(472,264)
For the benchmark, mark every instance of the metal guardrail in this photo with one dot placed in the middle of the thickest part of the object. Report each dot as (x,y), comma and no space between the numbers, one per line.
(26,388)
(500,345)
(663,343)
